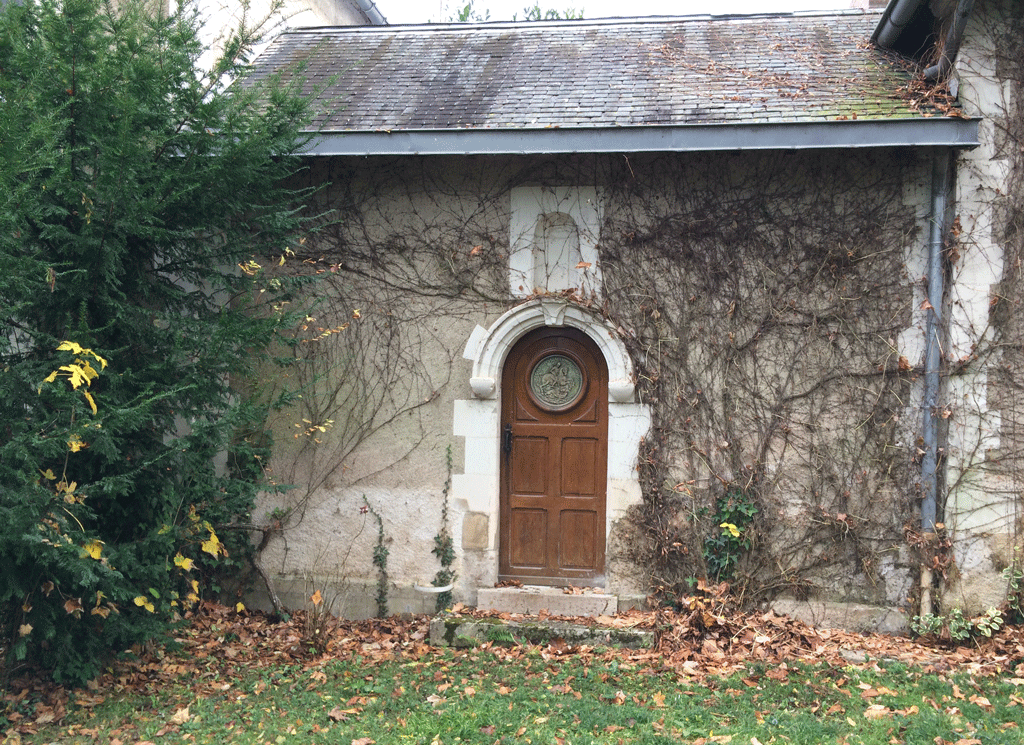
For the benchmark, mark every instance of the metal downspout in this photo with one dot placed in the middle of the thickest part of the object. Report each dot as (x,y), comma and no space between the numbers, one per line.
(372,13)
(954,36)
(942,166)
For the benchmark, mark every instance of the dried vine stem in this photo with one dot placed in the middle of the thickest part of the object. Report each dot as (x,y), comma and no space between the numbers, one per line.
(764,299)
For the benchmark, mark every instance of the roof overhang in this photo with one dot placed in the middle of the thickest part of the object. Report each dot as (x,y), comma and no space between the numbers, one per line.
(918,132)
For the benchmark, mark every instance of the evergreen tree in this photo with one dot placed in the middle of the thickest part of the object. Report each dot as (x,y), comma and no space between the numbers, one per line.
(137,193)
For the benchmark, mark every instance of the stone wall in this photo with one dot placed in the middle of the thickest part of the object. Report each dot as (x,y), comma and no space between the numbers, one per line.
(766,306)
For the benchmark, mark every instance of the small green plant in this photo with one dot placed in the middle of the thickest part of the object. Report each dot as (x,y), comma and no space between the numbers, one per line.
(956,626)
(380,560)
(444,546)
(927,625)
(500,635)
(1014,576)
(988,623)
(732,537)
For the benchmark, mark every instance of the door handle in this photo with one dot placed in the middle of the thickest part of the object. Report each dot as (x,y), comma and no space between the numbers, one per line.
(506,440)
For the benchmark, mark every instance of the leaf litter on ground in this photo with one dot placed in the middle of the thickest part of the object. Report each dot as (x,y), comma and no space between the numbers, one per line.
(218,644)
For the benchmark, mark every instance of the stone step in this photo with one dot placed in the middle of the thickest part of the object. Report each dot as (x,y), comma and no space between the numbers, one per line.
(452,629)
(530,600)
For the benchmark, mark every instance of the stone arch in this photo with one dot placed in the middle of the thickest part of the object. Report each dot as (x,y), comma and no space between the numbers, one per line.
(488,348)
(476,491)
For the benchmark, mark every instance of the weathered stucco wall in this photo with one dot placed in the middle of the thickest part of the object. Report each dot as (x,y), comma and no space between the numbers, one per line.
(986,415)
(769,309)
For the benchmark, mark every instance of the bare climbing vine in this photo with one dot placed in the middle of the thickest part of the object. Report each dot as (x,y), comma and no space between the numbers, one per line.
(769,303)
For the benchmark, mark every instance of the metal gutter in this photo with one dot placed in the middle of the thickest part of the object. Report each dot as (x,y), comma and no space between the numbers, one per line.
(919,132)
(373,15)
(955,35)
(895,17)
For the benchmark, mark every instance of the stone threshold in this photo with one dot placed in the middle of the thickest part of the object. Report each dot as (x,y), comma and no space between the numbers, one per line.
(533,600)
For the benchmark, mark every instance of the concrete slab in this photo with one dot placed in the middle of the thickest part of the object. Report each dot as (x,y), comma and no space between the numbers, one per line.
(530,600)
(450,629)
(849,616)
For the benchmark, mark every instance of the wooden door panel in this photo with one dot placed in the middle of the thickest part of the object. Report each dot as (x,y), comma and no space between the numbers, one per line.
(589,415)
(579,467)
(523,414)
(529,472)
(529,545)
(554,459)
(577,544)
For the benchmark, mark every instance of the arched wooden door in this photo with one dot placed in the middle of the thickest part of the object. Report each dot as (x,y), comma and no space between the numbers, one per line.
(554,459)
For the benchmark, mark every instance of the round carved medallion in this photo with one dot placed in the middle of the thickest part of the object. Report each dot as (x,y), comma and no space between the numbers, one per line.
(556,382)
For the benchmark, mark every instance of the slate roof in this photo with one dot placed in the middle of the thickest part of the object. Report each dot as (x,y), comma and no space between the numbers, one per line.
(613,73)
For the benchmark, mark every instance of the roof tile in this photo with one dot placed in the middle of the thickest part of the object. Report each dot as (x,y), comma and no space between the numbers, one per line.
(721,70)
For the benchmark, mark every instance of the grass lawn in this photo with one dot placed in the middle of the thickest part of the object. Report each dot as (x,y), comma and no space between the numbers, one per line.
(381,687)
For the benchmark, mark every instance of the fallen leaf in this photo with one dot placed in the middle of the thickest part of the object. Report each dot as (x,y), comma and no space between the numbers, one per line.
(364,741)
(180,716)
(981,701)
(877,711)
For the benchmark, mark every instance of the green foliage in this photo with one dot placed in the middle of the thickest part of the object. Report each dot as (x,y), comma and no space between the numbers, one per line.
(469,14)
(380,560)
(732,534)
(1014,576)
(444,546)
(536,13)
(132,187)
(956,626)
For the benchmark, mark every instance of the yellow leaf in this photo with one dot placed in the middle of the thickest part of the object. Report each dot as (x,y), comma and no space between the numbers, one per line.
(316,598)
(183,562)
(91,400)
(239,607)
(143,602)
(733,530)
(75,375)
(88,371)
(94,548)
(69,346)
(25,629)
(48,474)
(75,443)
(213,546)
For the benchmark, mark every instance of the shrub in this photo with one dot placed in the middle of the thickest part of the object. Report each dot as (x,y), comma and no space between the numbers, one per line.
(136,199)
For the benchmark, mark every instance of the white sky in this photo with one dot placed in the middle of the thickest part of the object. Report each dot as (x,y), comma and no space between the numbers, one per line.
(425,11)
